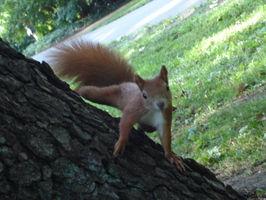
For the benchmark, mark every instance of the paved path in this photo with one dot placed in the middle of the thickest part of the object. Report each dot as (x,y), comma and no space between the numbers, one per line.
(149,14)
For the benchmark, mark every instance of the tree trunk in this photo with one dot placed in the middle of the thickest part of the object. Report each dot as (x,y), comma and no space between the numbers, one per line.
(53,145)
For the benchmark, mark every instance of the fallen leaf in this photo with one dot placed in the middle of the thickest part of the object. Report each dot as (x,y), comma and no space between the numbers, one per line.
(261,116)
(242,87)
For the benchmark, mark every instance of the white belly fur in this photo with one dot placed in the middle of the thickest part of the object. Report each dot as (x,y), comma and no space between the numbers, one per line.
(155,119)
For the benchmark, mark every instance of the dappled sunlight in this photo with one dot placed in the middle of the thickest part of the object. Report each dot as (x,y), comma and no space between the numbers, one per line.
(220,52)
(232,30)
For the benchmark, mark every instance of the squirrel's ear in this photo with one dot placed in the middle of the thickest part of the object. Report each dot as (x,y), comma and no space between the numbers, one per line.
(163,74)
(139,81)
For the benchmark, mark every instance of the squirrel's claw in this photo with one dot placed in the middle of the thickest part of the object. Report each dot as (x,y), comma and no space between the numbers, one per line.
(119,147)
(177,160)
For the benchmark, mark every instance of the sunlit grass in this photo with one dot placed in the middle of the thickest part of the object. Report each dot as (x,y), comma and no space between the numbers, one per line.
(238,27)
(208,55)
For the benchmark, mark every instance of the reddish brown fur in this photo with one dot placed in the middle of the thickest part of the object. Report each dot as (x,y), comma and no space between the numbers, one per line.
(109,79)
(91,64)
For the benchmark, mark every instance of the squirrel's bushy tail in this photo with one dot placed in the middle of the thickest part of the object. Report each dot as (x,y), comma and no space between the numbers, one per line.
(90,64)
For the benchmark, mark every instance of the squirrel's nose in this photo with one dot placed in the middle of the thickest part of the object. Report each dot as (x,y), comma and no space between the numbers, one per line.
(160,105)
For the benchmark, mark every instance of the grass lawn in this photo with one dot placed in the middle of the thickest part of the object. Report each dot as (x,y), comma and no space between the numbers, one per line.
(216,60)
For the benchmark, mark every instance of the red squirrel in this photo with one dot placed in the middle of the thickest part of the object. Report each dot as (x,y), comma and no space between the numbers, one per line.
(106,78)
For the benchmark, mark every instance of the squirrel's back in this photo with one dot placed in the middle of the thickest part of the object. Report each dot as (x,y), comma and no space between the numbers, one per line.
(90,64)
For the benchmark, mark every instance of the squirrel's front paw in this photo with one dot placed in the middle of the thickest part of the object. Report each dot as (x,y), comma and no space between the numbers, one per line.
(177,160)
(119,147)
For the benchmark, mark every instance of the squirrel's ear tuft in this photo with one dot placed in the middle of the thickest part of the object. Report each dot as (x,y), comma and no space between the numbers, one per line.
(139,81)
(163,74)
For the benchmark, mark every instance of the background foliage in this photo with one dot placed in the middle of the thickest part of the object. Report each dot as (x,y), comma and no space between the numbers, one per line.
(22,21)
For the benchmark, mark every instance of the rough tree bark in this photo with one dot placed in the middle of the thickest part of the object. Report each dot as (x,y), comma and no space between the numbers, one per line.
(55,146)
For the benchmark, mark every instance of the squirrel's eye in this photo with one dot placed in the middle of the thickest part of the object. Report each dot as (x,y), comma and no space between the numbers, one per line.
(144,95)
(167,88)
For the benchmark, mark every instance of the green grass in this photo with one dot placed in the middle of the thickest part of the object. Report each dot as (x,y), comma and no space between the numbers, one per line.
(208,55)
